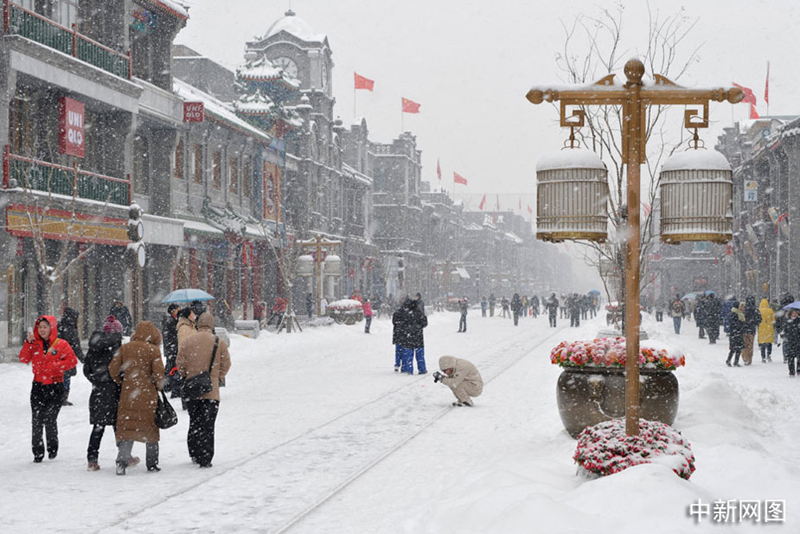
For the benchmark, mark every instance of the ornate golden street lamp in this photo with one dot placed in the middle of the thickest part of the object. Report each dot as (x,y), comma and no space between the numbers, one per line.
(634,97)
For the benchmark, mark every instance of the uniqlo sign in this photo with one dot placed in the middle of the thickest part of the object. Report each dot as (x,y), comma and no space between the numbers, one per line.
(71,127)
(193,112)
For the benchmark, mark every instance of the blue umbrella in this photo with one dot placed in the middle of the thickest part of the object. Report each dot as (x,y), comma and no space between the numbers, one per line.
(594,292)
(710,292)
(793,306)
(186,295)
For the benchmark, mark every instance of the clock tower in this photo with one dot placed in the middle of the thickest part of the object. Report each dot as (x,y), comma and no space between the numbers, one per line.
(291,44)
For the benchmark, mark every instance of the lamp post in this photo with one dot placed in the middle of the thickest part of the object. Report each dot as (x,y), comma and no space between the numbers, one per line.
(320,245)
(634,97)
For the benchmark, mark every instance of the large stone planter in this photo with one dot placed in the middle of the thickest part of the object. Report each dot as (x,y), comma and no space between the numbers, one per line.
(588,396)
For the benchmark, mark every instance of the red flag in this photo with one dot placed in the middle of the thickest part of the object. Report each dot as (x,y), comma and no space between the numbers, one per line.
(364,83)
(438,170)
(410,107)
(530,210)
(483,202)
(766,86)
(457,178)
(749,96)
(753,112)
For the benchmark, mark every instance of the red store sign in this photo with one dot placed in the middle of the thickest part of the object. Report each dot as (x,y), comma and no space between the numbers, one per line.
(193,111)
(71,131)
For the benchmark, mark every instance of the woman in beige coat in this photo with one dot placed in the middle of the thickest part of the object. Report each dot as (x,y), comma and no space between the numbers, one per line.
(194,357)
(138,367)
(462,377)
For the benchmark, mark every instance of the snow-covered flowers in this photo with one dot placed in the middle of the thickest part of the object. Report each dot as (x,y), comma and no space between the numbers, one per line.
(605,449)
(610,352)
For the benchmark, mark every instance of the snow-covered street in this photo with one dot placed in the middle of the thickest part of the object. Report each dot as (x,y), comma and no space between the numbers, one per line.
(316,433)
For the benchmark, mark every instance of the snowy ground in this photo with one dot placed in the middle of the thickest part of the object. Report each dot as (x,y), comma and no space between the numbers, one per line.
(317,434)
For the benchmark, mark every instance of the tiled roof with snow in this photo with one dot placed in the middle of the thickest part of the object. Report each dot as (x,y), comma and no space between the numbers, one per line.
(173,7)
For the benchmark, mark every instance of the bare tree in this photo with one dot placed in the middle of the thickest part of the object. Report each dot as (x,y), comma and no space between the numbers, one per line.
(592,49)
(54,258)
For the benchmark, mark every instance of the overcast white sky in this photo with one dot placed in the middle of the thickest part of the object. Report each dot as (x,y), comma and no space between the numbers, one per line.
(470,63)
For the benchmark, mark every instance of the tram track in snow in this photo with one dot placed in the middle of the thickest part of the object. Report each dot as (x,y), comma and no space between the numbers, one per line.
(327,457)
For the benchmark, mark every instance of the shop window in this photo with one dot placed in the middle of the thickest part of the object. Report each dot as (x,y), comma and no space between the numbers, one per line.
(198,164)
(233,175)
(216,171)
(178,169)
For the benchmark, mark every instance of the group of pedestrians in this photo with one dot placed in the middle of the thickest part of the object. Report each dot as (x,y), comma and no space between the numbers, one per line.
(126,379)
(745,324)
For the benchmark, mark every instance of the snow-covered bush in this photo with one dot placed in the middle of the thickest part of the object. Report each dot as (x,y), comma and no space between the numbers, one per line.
(610,352)
(605,449)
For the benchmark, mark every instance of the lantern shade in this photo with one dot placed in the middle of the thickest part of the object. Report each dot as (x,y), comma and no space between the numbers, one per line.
(305,265)
(572,196)
(333,265)
(696,192)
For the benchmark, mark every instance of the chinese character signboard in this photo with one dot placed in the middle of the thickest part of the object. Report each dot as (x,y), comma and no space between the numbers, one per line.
(193,112)
(751,191)
(71,131)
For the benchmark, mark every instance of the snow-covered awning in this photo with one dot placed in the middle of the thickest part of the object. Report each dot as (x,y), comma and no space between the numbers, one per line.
(462,272)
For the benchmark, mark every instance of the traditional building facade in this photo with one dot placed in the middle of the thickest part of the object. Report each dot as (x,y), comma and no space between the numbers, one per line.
(765,253)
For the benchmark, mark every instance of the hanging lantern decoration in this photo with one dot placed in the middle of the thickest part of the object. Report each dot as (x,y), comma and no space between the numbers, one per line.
(333,265)
(696,194)
(572,196)
(305,265)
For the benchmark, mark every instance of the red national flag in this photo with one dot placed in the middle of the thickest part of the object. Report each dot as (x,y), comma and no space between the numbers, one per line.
(749,96)
(410,107)
(766,86)
(753,112)
(483,202)
(530,210)
(457,178)
(364,83)
(438,170)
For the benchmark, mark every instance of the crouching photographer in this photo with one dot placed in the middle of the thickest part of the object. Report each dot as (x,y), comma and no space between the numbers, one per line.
(462,377)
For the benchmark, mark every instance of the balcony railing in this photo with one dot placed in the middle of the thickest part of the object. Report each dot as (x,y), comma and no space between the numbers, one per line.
(21,21)
(39,175)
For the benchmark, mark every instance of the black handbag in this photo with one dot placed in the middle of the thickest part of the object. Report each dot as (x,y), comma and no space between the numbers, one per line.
(166,416)
(200,384)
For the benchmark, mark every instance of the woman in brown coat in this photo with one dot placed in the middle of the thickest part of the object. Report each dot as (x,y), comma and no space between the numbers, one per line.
(138,367)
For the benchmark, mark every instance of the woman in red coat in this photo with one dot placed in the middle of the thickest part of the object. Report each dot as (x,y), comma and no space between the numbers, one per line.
(50,358)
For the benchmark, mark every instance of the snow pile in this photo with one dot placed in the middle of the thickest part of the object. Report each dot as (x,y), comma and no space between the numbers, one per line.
(610,352)
(696,160)
(605,449)
(571,158)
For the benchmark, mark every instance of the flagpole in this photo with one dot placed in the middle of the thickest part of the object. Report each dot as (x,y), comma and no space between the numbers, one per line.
(355,104)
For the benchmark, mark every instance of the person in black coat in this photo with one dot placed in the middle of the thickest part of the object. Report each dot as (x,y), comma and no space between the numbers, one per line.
(68,331)
(417,321)
(516,307)
(123,315)
(104,399)
(780,322)
(400,319)
(713,318)
(700,316)
(791,335)
(552,306)
(169,336)
(736,334)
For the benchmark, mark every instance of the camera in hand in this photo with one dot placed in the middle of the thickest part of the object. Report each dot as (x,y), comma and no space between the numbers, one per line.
(437,377)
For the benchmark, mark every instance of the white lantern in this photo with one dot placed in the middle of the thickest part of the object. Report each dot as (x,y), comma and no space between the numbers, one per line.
(696,193)
(333,265)
(305,265)
(572,196)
